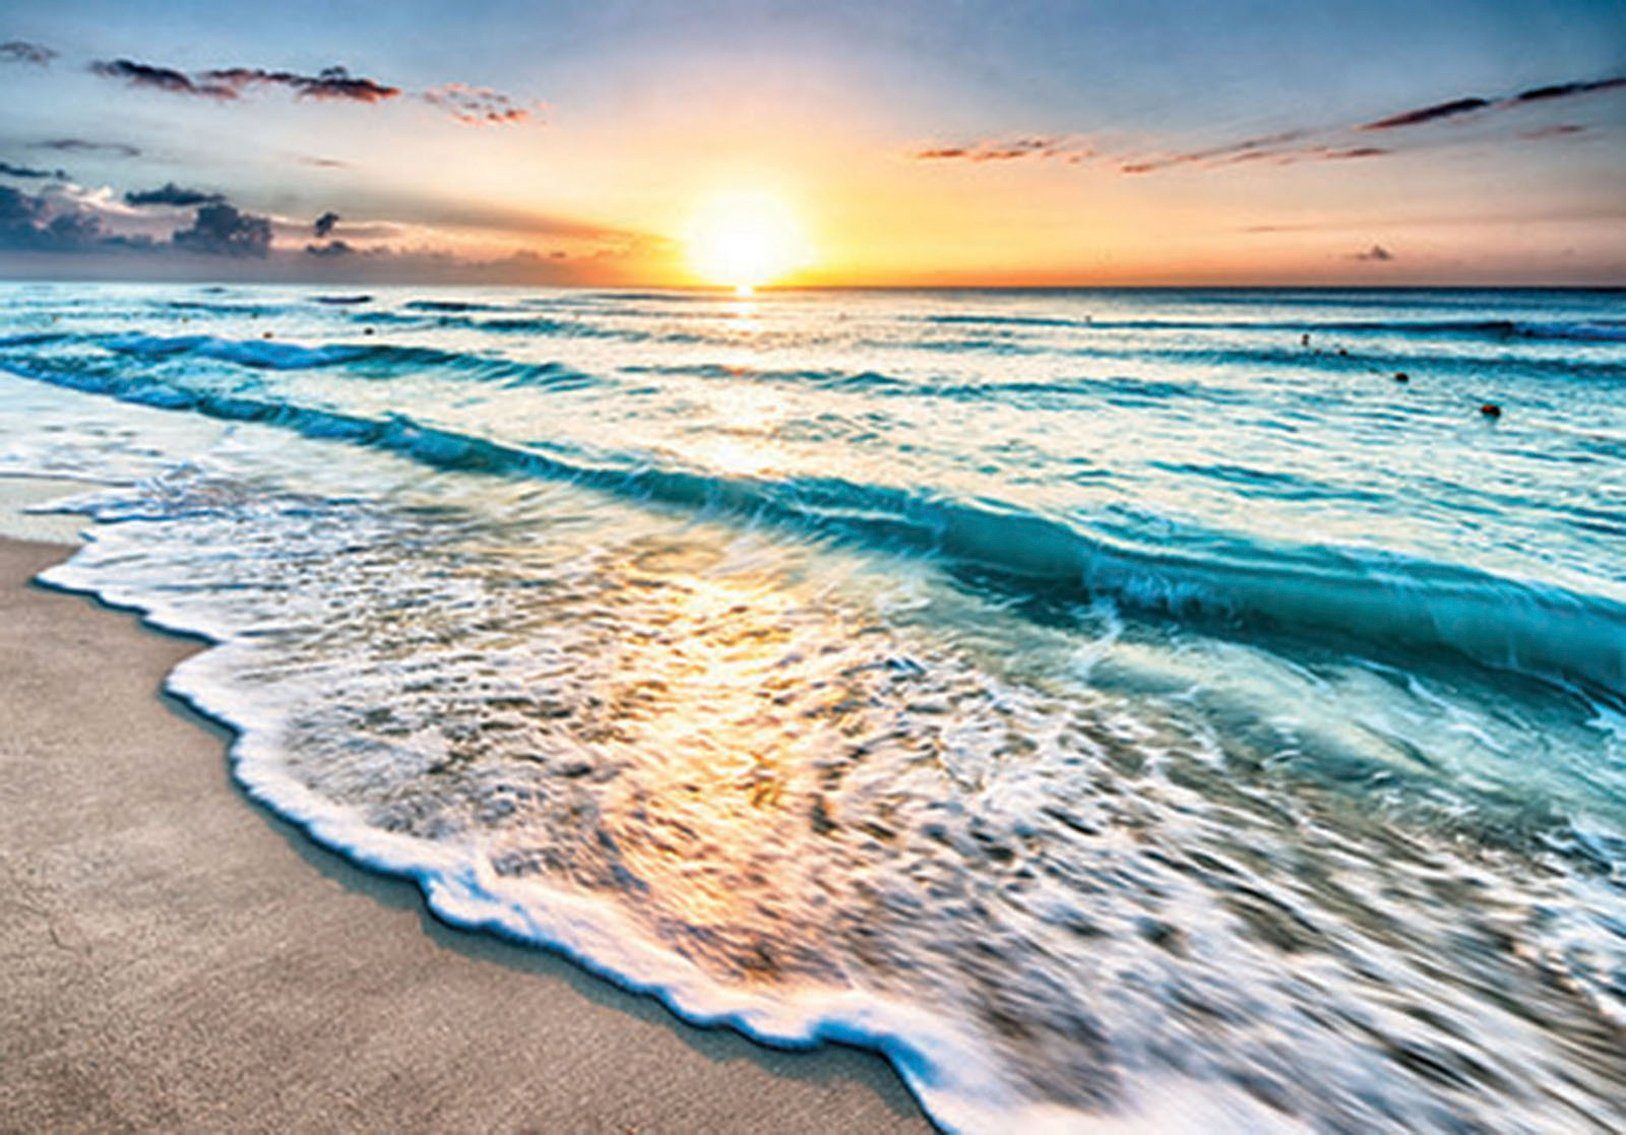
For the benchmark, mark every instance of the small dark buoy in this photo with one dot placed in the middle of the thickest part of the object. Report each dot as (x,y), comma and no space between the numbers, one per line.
(1491,410)
(366,330)
(1343,352)
(1402,376)
(267,335)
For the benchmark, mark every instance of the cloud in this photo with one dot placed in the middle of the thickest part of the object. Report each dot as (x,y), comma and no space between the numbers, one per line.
(1458,107)
(323,163)
(479,106)
(31,223)
(20,51)
(84,146)
(470,105)
(1376,253)
(172,194)
(332,84)
(1353,152)
(1008,150)
(221,230)
(324,224)
(1453,109)
(1557,130)
(1289,147)
(1565,90)
(1248,149)
(145,75)
(10,170)
(331,248)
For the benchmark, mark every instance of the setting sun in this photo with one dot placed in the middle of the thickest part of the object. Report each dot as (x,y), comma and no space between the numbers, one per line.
(743,240)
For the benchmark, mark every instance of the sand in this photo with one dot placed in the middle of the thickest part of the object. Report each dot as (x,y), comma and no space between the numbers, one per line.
(173,956)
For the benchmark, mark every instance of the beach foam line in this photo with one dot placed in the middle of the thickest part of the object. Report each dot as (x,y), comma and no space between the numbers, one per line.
(946,1069)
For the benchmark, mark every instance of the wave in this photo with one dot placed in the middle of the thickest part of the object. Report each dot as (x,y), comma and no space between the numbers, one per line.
(1385,603)
(217,307)
(452,306)
(263,353)
(1600,330)
(364,360)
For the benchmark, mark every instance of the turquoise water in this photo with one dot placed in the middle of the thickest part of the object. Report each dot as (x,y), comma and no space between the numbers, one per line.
(1117,707)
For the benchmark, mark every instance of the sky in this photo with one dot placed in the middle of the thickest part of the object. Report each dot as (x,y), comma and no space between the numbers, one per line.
(904,143)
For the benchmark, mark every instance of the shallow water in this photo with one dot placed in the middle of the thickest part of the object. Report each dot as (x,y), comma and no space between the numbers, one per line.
(1112,707)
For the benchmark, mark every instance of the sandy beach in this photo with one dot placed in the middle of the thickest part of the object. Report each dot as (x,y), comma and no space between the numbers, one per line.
(177,958)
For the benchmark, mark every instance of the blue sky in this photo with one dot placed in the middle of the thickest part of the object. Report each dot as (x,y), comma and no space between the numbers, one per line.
(923,142)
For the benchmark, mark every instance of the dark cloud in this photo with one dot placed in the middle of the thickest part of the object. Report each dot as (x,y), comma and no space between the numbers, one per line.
(221,230)
(331,248)
(333,84)
(324,224)
(1462,106)
(478,106)
(10,170)
(172,194)
(20,51)
(84,146)
(31,224)
(1565,90)
(323,163)
(1453,109)
(146,75)
(1376,253)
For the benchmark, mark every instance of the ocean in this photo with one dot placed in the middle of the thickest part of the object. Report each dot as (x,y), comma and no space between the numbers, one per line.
(1165,709)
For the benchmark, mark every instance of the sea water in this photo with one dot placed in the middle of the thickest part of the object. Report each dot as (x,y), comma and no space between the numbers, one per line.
(1118,708)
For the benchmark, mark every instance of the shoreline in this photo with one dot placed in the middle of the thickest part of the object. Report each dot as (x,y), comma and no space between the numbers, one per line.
(186,958)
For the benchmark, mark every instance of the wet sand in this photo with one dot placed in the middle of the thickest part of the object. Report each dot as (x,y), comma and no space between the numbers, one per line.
(176,957)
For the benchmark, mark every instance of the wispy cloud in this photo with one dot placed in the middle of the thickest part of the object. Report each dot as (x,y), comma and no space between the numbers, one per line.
(1556,130)
(1009,149)
(480,106)
(30,172)
(1377,253)
(146,75)
(87,146)
(1565,90)
(463,102)
(172,194)
(1453,109)
(1288,147)
(21,51)
(332,84)
(1456,108)
(1246,150)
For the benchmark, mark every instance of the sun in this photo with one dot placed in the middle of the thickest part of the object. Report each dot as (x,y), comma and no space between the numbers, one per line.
(745,239)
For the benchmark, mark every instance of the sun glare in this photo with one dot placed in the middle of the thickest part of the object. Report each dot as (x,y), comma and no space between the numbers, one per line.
(744,240)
